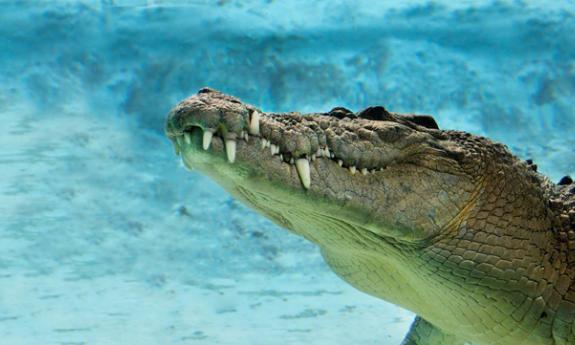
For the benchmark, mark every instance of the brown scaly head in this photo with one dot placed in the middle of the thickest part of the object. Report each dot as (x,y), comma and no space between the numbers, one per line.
(426,209)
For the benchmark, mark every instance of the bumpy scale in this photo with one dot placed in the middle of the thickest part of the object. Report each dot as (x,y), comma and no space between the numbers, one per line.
(444,223)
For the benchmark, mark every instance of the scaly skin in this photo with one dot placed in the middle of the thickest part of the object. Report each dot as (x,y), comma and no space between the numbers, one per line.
(446,224)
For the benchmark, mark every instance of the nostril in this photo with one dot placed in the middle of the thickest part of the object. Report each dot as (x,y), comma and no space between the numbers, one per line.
(206,90)
(566,180)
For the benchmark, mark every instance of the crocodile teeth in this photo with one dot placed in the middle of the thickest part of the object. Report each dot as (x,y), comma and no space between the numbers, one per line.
(339,162)
(263,143)
(231,150)
(352,169)
(274,149)
(207,139)
(187,138)
(364,171)
(313,156)
(302,167)
(186,164)
(254,126)
(291,161)
(176,146)
(281,157)
(246,136)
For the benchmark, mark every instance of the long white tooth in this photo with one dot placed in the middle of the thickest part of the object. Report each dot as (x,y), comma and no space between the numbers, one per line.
(268,143)
(207,139)
(302,167)
(187,138)
(186,164)
(339,162)
(352,169)
(281,157)
(274,149)
(331,154)
(291,161)
(263,143)
(364,171)
(254,127)
(246,136)
(231,150)
(313,156)
(186,161)
(176,146)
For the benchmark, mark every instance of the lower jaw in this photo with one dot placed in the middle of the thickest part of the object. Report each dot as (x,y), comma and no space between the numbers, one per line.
(257,171)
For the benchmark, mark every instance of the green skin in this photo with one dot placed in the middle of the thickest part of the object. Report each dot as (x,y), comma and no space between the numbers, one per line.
(446,224)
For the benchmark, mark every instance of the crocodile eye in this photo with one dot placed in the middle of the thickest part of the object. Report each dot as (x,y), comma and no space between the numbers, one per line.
(377,113)
(341,112)
(426,121)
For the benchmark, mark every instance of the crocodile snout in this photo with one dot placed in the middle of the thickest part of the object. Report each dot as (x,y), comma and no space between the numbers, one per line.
(354,143)
(214,113)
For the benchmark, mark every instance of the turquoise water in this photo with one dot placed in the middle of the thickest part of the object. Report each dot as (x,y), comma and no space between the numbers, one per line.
(106,239)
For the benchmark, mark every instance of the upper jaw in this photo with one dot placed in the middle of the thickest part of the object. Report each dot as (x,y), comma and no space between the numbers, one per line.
(360,145)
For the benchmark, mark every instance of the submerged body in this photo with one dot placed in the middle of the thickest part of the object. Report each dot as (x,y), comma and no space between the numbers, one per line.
(446,224)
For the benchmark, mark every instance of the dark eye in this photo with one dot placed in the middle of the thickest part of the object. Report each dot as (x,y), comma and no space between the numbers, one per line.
(377,113)
(422,120)
(341,112)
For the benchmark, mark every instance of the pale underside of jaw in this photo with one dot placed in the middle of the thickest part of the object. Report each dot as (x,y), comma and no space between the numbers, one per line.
(302,164)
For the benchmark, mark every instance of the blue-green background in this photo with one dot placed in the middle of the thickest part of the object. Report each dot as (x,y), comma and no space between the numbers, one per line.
(106,239)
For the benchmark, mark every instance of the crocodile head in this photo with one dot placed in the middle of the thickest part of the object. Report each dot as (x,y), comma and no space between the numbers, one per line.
(444,223)
(394,177)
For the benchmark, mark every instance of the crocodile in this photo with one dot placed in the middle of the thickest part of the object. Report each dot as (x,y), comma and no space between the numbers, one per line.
(449,225)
